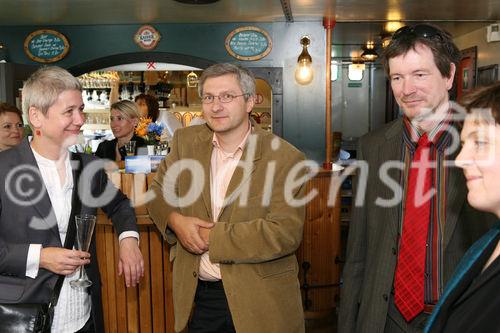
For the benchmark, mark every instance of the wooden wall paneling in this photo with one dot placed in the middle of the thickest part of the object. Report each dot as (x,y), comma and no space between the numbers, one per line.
(303,252)
(139,189)
(169,301)
(132,309)
(149,182)
(323,265)
(319,249)
(101,255)
(149,178)
(121,297)
(335,240)
(111,279)
(127,185)
(145,314)
(116,178)
(157,271)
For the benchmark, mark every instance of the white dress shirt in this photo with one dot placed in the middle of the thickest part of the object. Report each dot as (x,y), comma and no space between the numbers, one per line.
(74,305)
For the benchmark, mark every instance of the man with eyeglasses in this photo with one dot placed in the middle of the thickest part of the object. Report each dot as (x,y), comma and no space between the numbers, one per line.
(233,242)
(400,256)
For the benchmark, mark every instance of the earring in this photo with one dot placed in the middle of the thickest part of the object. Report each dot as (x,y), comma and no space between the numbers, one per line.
(38,132)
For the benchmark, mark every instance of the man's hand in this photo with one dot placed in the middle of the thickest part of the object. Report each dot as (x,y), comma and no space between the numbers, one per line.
(205,235)
(62,261)
(131,263)
(189,231)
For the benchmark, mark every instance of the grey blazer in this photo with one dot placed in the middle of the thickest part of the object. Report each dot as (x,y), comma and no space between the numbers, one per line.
(373,235)
(27,217)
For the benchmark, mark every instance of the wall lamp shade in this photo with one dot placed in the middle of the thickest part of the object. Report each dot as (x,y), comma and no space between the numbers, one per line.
(304,72)
(369,55)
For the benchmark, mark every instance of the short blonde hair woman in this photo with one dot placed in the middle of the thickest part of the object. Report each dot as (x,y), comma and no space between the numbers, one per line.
(124,117)
(40,195)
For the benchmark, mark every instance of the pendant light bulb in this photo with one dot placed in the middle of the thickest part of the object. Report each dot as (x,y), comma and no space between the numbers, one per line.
(304,72)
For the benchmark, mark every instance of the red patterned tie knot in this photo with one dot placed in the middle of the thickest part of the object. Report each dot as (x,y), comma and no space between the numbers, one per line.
(423,142)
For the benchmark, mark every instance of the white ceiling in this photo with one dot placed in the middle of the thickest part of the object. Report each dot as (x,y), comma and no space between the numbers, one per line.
(370,14)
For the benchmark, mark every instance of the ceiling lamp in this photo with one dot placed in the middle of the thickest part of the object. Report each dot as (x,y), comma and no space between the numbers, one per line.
(369,53)
(304,71)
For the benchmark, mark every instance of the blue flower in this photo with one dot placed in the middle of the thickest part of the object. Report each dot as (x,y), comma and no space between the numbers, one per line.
(155,129)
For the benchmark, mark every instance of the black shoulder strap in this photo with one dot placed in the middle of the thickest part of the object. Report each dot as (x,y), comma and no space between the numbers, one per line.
(76,206)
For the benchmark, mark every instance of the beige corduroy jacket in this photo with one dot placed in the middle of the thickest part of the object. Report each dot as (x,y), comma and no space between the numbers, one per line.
(254,243)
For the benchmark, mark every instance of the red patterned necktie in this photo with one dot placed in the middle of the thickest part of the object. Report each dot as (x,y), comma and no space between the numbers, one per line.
(409,279)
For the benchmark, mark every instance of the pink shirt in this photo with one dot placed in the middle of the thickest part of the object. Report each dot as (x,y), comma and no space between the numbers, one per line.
(222,166)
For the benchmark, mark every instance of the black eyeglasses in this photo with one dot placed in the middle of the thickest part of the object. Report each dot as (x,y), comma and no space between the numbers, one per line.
(419,30)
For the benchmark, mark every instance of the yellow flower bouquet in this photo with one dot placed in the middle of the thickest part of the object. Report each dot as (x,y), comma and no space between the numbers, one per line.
(149,131)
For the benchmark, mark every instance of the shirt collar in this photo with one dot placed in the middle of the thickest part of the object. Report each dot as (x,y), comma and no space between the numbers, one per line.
(413,133)
(241,145)
(43,161)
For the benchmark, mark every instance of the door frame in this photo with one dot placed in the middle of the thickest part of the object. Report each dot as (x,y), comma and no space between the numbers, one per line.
(272,75)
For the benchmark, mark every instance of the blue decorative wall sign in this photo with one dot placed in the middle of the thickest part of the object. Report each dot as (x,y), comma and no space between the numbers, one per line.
(248,43)
(46,46)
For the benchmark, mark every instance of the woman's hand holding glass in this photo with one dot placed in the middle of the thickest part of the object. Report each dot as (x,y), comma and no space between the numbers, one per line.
(63,261)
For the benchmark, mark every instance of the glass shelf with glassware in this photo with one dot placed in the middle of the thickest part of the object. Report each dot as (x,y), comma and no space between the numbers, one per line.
(96,119)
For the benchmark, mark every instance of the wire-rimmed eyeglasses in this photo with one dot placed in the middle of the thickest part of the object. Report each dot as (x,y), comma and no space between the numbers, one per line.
(223,98)
(419,30)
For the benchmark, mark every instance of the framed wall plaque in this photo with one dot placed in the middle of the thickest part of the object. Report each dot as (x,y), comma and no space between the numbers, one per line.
(147,37)
(248,43)
(46,46)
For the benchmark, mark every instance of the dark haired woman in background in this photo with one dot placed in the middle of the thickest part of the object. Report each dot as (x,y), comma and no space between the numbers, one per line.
(11,126)
(148,106)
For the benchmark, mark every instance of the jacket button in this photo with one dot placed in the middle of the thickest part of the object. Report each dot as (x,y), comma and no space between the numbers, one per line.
(394,251)
(385,297)
(195,274)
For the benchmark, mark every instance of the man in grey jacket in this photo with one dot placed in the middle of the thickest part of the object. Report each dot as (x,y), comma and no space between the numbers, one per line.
(421,62)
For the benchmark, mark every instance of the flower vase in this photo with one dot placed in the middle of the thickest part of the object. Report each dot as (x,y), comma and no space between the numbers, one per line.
(151,150)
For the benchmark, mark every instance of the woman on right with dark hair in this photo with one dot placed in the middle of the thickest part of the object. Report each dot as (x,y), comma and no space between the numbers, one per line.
(148,106)
(471,300)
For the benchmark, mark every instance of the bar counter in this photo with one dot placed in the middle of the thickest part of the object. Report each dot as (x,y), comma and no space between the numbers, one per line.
(149,307)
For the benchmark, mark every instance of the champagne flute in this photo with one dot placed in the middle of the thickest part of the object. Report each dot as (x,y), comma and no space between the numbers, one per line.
(84,230)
